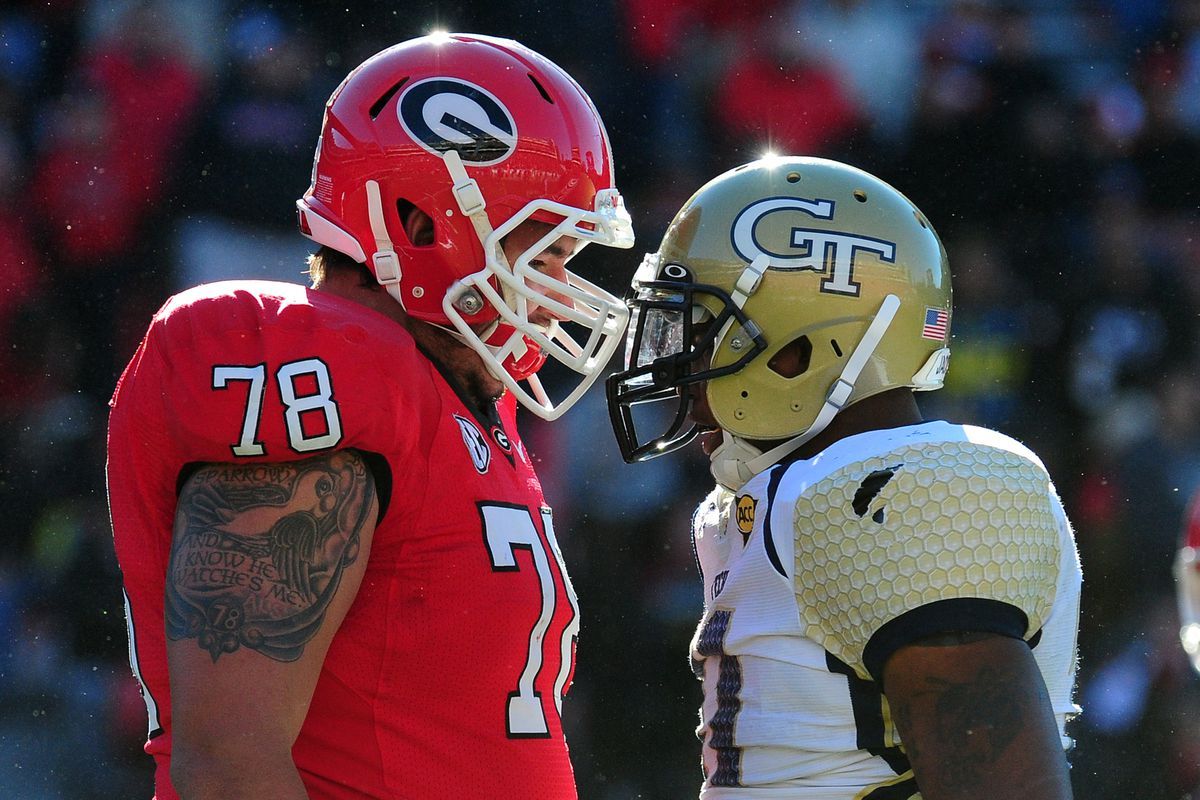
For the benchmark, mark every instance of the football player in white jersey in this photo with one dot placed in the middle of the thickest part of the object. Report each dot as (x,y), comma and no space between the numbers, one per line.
(891,604)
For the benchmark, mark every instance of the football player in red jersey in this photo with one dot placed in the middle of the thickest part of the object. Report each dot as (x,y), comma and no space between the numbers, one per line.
(341,577)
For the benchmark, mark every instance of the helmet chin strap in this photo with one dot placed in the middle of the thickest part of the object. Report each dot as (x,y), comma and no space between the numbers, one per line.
(473,206)
(384,260)
(736,461)
(468,195)
(388,273)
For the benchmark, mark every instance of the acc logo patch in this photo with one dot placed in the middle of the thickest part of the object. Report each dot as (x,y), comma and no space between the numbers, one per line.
(477,444)
(745,514)
(442,114)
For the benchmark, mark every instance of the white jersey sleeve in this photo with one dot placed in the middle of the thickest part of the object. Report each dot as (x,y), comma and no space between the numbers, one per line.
(883,544)
(816,571)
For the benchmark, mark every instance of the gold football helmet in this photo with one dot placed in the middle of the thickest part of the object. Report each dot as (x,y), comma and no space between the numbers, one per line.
(786,253)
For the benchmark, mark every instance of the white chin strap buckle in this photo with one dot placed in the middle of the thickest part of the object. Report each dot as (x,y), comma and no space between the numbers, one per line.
(384,261)
(839,394)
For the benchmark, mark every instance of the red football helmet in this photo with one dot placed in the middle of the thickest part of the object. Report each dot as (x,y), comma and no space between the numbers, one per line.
(1187,582)
(481,134)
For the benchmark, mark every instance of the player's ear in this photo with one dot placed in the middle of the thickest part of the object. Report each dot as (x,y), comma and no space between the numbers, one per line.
(418,225)
(793,358)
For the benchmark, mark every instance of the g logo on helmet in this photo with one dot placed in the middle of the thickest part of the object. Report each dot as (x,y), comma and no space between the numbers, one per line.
(829,252)
(442,114)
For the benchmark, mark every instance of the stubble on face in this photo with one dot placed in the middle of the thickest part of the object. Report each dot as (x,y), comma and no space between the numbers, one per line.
(459,359)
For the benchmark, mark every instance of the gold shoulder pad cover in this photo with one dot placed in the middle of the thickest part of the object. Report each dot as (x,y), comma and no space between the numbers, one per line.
(887,535)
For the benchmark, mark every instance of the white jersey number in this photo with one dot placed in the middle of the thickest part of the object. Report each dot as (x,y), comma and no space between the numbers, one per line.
(287,377)
(507,529)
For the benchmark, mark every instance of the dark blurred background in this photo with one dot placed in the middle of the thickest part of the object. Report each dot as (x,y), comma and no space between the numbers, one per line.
(150,145)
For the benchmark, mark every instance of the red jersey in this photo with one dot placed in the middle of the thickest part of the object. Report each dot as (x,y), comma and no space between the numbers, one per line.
(446,677)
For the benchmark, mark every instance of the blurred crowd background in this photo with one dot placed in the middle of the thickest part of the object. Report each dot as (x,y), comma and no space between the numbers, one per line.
(146,146)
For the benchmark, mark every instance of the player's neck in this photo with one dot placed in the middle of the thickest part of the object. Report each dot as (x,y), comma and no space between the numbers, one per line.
(891,409)
(461,365)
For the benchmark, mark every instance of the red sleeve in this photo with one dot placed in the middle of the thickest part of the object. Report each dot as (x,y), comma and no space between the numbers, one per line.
(245,372)
(250,374)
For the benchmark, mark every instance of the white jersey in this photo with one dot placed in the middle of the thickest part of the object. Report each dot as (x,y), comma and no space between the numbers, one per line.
(817,570)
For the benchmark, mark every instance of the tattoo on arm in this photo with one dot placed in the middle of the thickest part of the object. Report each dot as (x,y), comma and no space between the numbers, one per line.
(975,720)
(259,552)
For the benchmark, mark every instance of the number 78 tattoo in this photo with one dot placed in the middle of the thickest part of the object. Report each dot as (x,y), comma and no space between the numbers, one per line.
(260,550)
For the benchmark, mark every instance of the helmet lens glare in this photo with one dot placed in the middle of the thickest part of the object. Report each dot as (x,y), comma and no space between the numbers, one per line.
(662,335)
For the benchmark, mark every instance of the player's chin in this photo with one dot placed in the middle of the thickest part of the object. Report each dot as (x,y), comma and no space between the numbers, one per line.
(710,440)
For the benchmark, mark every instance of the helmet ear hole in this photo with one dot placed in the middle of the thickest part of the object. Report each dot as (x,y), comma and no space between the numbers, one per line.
(792,359)
(418,226)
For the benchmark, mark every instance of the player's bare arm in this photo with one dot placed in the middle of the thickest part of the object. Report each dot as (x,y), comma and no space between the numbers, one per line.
(260,552)
(265,561)
(975,719)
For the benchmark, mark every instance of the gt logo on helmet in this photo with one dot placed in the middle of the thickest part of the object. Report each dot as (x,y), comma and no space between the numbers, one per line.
(828,252)
(442,114)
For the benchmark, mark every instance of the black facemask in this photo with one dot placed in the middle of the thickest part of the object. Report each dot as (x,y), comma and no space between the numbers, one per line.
(666,353)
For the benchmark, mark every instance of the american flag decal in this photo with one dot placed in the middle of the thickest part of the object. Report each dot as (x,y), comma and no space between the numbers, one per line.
(936,320)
